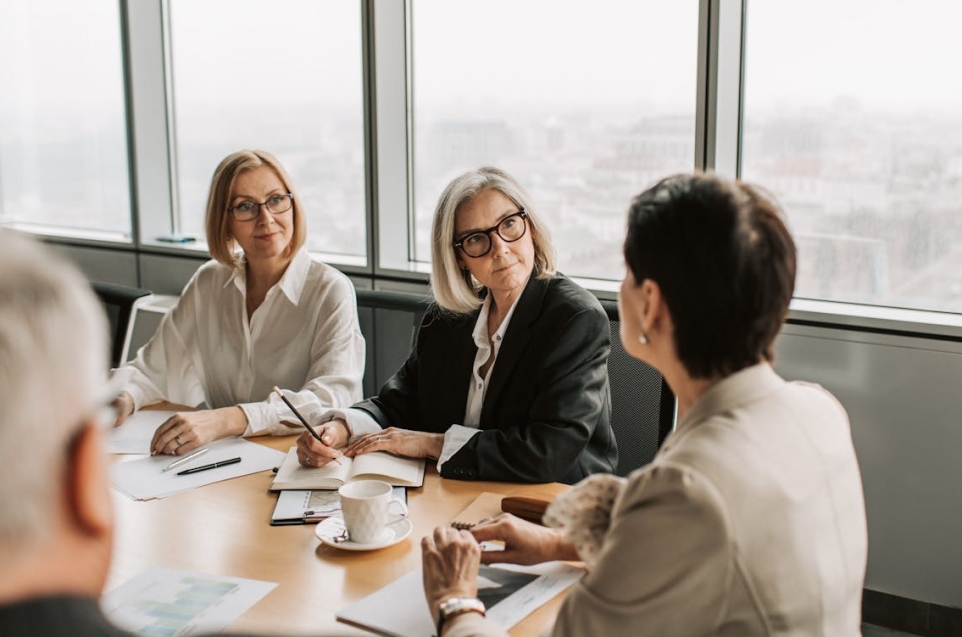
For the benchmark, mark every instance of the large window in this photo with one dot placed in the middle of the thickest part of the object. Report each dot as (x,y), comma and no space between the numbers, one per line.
(585,103)
(848,111)
(63,144)
(282,76)
(853,117)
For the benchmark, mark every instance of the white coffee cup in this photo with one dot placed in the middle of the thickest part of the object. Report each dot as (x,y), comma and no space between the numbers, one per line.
(365,505)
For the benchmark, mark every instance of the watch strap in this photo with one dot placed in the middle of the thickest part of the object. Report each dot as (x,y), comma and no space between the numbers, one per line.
(454,606)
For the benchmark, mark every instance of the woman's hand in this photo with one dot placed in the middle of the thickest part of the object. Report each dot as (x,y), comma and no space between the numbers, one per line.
(124,406)
(450,560)
(185,431)
(314,453)
(524,542)
(403,442)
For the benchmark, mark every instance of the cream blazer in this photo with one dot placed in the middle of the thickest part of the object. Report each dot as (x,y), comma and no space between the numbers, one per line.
(750,521)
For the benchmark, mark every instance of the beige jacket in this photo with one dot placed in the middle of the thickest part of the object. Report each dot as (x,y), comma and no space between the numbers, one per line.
(750,521)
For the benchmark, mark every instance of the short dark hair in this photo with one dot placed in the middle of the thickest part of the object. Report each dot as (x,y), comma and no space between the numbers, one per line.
(725,262)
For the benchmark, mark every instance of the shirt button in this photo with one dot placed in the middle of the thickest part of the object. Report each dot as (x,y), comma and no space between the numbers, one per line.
(479,385)
(497,338)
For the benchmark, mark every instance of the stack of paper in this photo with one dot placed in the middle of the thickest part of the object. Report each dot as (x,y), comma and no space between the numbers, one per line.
(135,434)
(144,478)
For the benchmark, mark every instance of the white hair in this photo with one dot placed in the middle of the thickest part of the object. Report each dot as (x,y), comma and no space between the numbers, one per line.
(454,289)
(53,367)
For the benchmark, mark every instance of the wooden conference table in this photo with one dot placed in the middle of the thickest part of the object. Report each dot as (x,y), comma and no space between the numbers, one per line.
(224,529)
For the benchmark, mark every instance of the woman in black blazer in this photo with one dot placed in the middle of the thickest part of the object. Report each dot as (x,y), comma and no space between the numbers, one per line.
(508,379)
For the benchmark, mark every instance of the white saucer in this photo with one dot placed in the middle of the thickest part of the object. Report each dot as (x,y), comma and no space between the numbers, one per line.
(333,527)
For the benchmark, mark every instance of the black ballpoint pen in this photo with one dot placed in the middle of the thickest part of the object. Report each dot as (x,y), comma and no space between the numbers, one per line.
(205,467)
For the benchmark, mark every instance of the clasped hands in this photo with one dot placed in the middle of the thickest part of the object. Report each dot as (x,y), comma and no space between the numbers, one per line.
(335,441)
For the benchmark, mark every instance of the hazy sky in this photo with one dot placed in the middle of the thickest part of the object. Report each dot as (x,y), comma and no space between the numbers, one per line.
(267,51)
(570,52)
(60,57)
(888,54)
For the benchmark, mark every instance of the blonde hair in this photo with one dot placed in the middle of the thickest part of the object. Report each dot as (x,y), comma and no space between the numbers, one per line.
(455,289)
(53,369)
(219,242)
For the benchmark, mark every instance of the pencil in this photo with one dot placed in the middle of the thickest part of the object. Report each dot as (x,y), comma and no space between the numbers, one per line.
(301,418)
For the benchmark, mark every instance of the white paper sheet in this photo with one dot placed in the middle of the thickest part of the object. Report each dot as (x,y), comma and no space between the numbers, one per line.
(143,478)
(510,593)
(168,602)
(135,434)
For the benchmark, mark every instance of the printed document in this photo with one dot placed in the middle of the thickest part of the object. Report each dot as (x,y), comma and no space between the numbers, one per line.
(163,601)
(509,592)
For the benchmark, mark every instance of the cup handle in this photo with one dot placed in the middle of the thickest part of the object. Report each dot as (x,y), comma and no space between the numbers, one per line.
(404,507)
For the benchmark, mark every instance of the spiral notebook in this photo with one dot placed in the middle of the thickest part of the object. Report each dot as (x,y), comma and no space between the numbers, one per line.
(308,507)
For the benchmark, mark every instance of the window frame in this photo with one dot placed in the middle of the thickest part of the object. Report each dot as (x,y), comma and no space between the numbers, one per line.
(389,164)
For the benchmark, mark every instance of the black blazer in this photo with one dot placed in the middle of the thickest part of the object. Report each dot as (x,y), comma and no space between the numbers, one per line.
(545,416)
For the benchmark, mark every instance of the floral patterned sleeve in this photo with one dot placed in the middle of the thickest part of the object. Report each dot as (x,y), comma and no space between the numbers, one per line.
(583,513)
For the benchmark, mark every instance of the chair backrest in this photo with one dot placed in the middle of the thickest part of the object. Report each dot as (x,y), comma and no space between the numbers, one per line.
(389,322)
(642,405)
(119,302)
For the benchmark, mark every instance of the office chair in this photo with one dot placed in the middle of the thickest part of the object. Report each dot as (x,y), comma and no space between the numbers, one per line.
(642,405)
(119,302)
(389,322)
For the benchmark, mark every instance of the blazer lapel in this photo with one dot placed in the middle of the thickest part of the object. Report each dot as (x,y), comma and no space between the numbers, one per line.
(515,342)
(459,359)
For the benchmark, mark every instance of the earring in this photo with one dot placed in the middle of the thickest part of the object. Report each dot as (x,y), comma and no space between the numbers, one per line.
(643,339)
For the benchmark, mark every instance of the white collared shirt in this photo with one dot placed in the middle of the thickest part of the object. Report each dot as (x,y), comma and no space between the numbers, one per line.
(304,338)
(360,422)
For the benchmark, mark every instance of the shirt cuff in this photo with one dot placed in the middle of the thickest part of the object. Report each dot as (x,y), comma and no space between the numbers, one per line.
(358,421)
(261,420)
(126,377)
(454,438)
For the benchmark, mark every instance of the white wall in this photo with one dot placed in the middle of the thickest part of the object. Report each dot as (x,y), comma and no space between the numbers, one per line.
(904,399)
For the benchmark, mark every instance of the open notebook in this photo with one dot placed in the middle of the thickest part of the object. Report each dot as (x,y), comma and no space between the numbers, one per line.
(377,465)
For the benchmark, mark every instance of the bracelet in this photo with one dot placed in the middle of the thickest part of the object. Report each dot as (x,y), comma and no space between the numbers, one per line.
(454,606)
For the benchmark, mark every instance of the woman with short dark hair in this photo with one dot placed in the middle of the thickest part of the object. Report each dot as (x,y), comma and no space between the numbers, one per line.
(751,519)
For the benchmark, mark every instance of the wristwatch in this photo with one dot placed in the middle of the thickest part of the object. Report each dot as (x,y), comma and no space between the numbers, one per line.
(454,606)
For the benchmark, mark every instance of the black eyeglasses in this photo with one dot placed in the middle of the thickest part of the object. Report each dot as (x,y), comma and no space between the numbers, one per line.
(275,204)
(510,229)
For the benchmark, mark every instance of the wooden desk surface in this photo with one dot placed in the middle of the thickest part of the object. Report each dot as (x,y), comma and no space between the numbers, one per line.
(224,529)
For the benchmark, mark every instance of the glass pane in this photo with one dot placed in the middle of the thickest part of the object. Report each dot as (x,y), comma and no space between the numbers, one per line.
(63,138)
(853,118)
(282,76)
(585,103)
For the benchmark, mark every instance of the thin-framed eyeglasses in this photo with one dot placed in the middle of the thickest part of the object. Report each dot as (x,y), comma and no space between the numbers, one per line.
(275,204)
(510,229)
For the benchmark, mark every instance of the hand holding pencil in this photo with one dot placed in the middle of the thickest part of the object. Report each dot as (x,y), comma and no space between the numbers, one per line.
(317,448)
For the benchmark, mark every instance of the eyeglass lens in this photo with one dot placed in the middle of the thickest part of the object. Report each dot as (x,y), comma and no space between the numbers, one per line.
(510,229)
(275,204)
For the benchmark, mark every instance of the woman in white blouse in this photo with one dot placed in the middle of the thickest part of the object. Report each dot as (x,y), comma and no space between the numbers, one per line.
(248,320)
